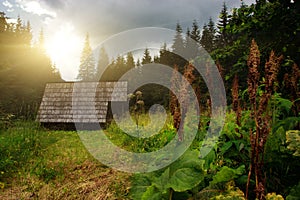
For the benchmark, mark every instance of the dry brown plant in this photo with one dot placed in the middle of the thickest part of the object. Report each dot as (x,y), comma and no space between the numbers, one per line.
(260,114)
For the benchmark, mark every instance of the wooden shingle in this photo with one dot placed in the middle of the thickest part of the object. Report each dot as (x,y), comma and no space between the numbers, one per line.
(79,102)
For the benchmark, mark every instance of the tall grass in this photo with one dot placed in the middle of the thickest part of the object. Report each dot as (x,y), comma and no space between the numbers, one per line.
(18,145)
(39,163)
(159,136)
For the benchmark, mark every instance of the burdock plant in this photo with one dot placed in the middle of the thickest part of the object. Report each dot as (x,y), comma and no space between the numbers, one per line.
(138,108)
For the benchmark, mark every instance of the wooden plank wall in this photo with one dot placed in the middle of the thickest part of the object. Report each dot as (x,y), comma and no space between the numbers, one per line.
(79,102)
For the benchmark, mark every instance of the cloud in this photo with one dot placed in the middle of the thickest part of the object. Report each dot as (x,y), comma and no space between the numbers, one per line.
(102,18)
(35,7)
(55,4)
(7,4)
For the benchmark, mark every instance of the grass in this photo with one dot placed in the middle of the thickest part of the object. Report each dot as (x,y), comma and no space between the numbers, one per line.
(36,163)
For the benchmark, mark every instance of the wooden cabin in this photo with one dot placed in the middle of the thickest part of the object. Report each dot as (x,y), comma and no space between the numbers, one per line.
(79,102)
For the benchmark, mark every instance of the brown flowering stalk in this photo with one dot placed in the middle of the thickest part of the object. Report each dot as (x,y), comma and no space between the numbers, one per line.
(253,78)
(260,114)
(174,104)
(184,96)
(179,106)
(253,74)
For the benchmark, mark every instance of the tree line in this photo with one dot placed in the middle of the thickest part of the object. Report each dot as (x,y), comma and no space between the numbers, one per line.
(273,24)
(24,69)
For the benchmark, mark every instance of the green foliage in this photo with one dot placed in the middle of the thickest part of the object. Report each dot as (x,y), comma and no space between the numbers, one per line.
(181,176)
(293,141)
(58,167)
(185,179)
(17,146)
(294,193)
(46,173)
(274,196)
(231,193)
(226,174)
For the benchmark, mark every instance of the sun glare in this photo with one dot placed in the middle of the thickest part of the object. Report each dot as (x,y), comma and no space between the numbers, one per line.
(64,48)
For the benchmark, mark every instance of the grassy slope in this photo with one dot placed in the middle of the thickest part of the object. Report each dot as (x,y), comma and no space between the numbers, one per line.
(42,164)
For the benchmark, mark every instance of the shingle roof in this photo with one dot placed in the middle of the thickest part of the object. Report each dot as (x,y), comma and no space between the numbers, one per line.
(79,102)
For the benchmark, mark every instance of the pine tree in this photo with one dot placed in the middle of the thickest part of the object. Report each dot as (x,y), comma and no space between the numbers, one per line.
(18,29)
(178,43)
(195,33)
(120,68)
(164,55)
(129,64)
(188,44)
(102,63)
(187,37)
(178,49)
(129,61)
(147,57)
(3,22)
(208,36)
(27,34)
(87,62)
(194,40)
(223,22)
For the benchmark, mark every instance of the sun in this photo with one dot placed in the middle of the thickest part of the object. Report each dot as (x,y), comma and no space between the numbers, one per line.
(64,48)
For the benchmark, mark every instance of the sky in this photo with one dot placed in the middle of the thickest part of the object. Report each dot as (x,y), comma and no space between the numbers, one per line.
(66,22)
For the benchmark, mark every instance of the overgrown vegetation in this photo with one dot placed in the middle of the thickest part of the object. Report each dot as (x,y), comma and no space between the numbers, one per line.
(256,50)
(41,164)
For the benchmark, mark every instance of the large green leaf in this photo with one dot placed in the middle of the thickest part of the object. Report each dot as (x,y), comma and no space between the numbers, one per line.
(161,181)
(226,174)
(185,179)
(140,184)
(151,194)
(209,158)
(190,159)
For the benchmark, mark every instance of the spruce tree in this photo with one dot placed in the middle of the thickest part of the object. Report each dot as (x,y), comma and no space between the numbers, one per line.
(223,22)
(102,63)
(147,57)
(188,44)
(178,49)
(18,29)
(208,36)
(87,62)
(195,39)
(3,22)
(178,43)
(129,61)
(195,33)
(129,64)
(164,55)
(27,34)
